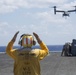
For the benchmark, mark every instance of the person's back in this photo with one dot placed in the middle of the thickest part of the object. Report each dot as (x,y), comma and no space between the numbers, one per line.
(27,59)
(27,63)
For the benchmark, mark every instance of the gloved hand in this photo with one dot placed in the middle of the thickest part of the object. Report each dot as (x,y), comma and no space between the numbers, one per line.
(37,37)
(14,37)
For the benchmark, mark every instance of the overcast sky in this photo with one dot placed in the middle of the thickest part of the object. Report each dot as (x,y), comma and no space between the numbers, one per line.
(28,16)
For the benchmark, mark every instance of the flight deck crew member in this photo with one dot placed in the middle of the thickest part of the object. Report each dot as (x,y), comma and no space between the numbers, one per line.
(26,59)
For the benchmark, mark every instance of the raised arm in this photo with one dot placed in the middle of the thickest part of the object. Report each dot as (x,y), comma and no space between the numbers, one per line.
(44,50)
(9,48)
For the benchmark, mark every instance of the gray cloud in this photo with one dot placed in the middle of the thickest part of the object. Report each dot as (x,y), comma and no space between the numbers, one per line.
(11,5)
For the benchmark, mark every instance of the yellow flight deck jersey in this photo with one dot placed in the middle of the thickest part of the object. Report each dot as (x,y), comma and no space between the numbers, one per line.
(26,60)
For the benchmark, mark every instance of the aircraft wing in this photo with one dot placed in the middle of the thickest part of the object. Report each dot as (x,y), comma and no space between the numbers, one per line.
(71,10)
(59,11)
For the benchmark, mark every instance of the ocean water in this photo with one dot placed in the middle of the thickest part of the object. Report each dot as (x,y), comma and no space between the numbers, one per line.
(52,48)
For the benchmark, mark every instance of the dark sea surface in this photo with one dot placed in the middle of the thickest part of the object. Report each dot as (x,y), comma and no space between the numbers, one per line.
(52,48)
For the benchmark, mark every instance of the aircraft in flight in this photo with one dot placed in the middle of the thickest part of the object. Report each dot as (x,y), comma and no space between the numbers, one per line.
(65,13)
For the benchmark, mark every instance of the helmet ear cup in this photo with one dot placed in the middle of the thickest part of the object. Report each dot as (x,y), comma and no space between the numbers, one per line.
(34,42)
(20,41)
